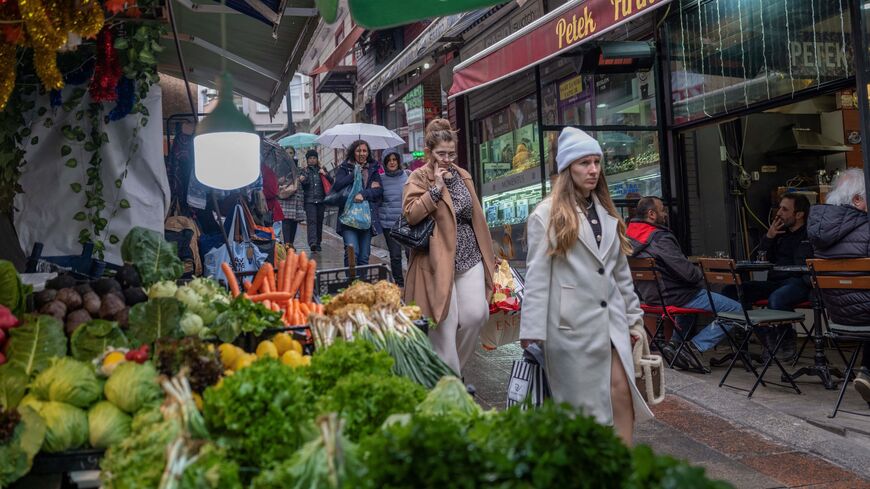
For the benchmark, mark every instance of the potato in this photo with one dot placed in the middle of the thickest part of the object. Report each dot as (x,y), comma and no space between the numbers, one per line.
(57,309)
(83,289)
(76,319)
(70,297)
(44,297)
(112,304)
(92,303)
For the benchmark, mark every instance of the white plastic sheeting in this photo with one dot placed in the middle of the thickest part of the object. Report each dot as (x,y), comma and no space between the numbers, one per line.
(48,204)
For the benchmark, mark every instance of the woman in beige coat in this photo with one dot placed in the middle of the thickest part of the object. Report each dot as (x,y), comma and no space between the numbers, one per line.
(452,280)
(579,299)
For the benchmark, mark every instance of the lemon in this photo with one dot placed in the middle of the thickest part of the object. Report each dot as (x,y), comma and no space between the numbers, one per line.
(229,354)
(283,342)
(244,360)
(292,358)
(267,349)
(113,358)
(306,361)
(297,347)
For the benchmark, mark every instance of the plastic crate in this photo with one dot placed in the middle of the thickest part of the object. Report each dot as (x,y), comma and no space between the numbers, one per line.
(332,280)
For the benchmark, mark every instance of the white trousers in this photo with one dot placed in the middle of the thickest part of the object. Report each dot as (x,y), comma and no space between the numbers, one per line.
(456,338)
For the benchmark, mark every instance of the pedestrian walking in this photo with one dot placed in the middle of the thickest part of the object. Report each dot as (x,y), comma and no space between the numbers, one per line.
(579,300)
(359,155)
(393,179)
(457,296)
(313,190)
(291,199)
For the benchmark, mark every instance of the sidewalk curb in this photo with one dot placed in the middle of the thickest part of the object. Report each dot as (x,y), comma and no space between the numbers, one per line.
(787,429)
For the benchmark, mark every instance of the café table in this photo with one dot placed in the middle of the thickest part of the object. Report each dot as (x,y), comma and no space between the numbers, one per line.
(820,367)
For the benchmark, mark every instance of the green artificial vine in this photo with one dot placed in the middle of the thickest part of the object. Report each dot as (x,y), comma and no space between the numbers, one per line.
(138,44)
(15,136)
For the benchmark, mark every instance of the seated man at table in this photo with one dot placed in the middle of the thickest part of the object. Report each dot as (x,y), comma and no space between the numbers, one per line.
(682,281)
(839,229)
(786,244)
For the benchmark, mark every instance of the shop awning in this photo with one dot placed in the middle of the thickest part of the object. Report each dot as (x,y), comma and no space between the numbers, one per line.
(419,47)
(557,32)
(340,52)
(261,51)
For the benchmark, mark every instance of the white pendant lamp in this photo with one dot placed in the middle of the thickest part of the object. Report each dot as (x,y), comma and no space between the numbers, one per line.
(226,146)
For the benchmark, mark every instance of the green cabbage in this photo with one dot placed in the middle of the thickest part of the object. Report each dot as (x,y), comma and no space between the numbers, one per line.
(107,424)
(66,426)
(30,401)
(132,386)
(68,380)
(449,398)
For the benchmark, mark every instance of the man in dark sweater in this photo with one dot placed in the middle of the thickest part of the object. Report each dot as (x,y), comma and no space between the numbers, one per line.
(682,282)
(785,244)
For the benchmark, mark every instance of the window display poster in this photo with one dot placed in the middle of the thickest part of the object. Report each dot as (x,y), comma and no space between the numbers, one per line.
(551,107)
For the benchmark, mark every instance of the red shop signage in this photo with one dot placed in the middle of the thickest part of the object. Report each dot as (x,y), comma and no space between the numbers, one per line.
(559,31)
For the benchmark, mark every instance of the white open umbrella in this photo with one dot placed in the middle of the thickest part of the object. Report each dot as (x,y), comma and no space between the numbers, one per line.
(342,135)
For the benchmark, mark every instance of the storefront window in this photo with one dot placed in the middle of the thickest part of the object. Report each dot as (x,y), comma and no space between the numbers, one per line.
(731,54)
(509,147)
(615,99)
(631,162)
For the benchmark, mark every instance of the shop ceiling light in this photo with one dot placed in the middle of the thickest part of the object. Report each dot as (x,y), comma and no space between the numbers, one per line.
(226,146)
(426,65)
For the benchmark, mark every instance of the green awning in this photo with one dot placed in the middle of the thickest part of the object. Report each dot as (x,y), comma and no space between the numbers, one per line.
(379,14)
(261,57)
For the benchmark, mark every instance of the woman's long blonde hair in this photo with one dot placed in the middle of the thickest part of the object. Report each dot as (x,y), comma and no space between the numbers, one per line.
(564,221)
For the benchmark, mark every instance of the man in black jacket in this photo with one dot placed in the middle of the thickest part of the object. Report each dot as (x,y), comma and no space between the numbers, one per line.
(311,179)
(839,229)
(785,244)
(682,281)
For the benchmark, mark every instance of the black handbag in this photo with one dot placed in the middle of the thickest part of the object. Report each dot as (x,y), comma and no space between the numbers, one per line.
(415,237)
(337,199)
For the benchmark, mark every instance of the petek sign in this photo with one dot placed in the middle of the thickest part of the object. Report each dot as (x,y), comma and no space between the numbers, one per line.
(561,30)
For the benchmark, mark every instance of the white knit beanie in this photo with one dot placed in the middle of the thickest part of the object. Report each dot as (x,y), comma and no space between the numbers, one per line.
(573,145)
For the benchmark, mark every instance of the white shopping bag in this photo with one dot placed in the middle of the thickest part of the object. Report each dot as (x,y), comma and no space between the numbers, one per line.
(502,328)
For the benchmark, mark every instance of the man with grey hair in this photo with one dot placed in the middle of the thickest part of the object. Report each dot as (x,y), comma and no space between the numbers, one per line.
(839,229)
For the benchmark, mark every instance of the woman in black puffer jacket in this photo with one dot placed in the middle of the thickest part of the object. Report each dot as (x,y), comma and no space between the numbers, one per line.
(839,229)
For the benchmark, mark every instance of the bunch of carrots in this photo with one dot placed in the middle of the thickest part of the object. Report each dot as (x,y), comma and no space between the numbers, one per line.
(289,289)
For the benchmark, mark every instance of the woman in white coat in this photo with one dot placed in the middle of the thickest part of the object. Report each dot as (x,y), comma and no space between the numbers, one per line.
(579,299)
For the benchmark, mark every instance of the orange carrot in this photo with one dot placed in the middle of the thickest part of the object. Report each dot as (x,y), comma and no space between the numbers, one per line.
(290,264)
(279,281)
(270,275)
(267,304)
(258,280)
(308,287)
(247,285)
(270,296)
(231,278)
(303,306)
(300,275)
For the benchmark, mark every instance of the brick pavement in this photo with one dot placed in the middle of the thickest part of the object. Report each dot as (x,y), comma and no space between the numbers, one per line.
(728,449)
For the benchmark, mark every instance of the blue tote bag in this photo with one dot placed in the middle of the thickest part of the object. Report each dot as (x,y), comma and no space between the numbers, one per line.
(247,256)
(357,215)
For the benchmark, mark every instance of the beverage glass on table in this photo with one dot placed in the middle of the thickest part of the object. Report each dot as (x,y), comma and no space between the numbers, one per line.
(762,256)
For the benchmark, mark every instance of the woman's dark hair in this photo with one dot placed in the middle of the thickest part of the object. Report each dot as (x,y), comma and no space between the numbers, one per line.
(351,152)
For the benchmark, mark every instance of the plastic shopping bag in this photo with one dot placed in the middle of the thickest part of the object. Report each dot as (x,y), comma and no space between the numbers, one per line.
(357,215)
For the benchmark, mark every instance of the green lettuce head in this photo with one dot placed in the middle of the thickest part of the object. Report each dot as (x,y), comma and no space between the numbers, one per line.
(66,426)
(68,380)
(132,386)
(107,424)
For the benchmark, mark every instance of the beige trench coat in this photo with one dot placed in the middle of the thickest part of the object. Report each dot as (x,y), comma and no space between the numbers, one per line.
(580,305)
(430,273)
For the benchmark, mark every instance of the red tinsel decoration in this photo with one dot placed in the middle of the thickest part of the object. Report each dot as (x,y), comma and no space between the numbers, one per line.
(108,68)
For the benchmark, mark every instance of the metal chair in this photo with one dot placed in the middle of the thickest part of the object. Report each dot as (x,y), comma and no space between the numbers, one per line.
(852,274)
(722,272)
(644,270)
(763,304)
